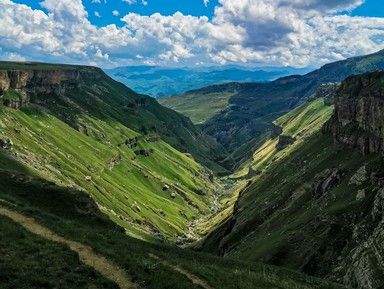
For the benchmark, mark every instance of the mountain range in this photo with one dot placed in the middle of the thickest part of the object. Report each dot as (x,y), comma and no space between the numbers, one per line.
(163,81)
(245,111)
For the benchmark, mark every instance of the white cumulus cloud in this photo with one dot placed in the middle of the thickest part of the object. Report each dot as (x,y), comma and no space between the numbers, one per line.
(258,32)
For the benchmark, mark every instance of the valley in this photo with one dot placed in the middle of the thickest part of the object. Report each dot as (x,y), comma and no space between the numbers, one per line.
(295,201)
(207,144)
(244,118)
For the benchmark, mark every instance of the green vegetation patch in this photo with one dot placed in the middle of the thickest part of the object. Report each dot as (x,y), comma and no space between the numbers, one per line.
(160,193)
(73,215)
(198,107)
(31,262)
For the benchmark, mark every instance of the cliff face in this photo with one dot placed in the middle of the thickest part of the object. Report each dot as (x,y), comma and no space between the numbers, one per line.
(358,120)
(18,87)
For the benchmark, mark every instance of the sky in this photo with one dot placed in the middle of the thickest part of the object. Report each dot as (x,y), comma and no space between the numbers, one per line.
(254,33)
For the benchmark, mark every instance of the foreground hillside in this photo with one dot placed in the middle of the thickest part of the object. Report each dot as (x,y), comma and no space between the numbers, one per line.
(69,243)
(244,112)
(79,128)
(315,200)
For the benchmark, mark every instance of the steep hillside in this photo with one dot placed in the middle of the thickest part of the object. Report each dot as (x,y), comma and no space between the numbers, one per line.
(69,91)
(315,204)
(202,104)
(244,114)
(80,129)
(30,259)
(288,132)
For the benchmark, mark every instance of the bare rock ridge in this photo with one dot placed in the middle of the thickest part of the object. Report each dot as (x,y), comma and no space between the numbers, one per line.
(359,108)
(17,87)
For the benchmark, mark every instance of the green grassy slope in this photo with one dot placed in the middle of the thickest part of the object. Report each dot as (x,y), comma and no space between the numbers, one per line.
(303,209)
(299,124)
(73,215)
(89,91)
(129,187)
(200,106)
(288,224)
(92,133)
(28,261)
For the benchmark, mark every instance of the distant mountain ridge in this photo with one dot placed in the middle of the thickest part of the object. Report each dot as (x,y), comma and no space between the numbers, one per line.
(250,108)
(163,81)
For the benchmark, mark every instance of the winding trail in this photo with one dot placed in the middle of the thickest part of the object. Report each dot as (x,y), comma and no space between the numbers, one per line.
(193,278)
(101,264)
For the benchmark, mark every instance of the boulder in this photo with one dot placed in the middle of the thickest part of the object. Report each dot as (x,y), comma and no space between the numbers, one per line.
(166,187)
(324,181)
(359,177)
(6,143)
(284,141)
(360,195)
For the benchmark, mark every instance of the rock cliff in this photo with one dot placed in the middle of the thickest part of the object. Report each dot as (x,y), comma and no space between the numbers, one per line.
(19,87)
(358,120)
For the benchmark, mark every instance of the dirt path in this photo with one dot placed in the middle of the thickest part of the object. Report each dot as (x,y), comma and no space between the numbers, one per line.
(101,264)
(195,280)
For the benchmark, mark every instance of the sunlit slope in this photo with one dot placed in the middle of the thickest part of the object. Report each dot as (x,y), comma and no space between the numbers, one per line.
(310,205)
(298,124)
(199,105)
(159,193)
(29,261)
(68,92)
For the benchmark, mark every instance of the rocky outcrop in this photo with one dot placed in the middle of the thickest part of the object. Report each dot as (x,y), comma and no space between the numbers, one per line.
(144,152)
(6,143)
(15,98)
(327,91)
(284,141)
(276,130)
(26,85)
(325,181)
(359,109)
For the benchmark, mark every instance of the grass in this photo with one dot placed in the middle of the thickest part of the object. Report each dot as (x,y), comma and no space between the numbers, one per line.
(90,136)
(280,220)
(28,261)
(7,65)
(73,215)
(128,187)
(102,98)
(190,104)
(300,124)
(11,94)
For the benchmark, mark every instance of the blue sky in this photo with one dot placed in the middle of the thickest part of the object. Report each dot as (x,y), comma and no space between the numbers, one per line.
(165,7)
(372,8)
(254,33)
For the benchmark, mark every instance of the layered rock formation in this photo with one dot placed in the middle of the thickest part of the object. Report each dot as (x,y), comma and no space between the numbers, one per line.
(28,83)
(358,120)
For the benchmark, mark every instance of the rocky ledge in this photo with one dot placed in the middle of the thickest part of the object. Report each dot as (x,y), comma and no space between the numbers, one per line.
(18,86)
(358,120)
